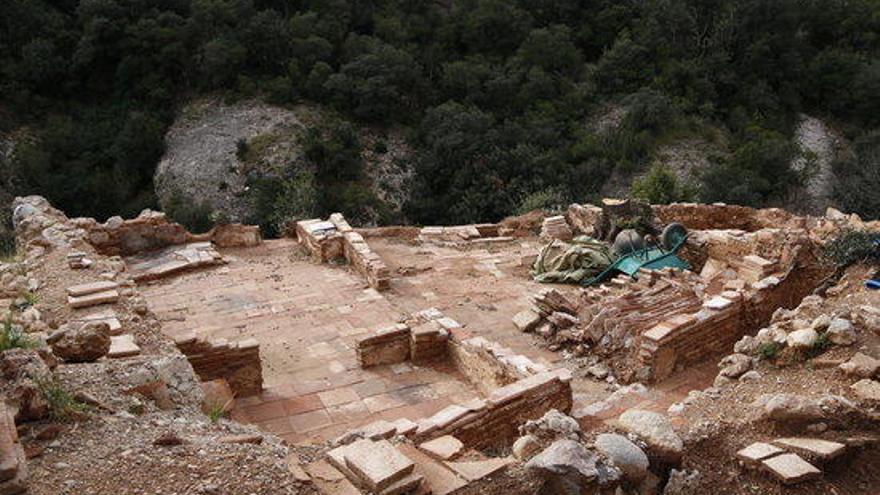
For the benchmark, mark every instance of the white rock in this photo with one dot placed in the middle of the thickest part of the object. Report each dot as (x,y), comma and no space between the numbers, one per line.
(841,332)
(802,339)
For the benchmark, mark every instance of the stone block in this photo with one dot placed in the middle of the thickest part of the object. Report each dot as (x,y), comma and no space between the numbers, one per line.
(814,448)
(444,448)
(791,469)
(377,464)
(123,346)
(757,452)
(91,288)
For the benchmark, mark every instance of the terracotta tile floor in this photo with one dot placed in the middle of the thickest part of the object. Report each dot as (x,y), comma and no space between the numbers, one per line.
(307,318)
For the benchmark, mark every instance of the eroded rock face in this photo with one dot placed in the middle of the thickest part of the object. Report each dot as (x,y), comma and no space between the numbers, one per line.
(81,343)
(657,432)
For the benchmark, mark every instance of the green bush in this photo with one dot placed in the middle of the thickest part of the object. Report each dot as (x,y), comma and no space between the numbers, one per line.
(62,405)
(768,351)
(661,186)
(852,247)
(550,200)
(194,215)
(857,189)
(12,336)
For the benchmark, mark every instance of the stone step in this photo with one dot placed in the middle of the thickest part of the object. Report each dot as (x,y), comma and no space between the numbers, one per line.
(123,346)
(91,288)
(86,301)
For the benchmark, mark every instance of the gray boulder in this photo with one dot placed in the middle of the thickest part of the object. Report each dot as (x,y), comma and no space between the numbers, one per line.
(624,454)
(566,466)
(656,431)
(841,332)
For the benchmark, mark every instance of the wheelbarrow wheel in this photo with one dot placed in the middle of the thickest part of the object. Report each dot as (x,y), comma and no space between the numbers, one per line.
(672,235)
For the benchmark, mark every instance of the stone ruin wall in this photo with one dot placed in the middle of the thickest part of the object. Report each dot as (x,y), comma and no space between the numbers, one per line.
(516,389)
(335,238)
(689,339)
(13,466)
(236,362)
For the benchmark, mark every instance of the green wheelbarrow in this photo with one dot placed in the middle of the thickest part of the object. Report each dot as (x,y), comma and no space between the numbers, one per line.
(652,258)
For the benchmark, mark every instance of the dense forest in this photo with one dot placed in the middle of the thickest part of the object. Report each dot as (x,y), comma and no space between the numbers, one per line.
(495,95)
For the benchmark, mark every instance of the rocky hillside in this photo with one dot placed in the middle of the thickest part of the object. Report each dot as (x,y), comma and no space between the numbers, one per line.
(216,151)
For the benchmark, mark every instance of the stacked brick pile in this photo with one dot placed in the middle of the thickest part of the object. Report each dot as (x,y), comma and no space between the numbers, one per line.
(556,228)
(236,362)
(13,468)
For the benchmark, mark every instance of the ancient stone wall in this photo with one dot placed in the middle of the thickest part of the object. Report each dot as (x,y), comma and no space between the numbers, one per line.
(236,362)
(388,345)
(712,331)
(721,217)
(334,238)
(494,422)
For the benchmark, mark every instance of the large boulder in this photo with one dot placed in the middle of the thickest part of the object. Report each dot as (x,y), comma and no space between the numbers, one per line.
(81,343)
(624,454)
(861,366)
(567,467)
(841,332)
(656,431)
(734,365)
(802,339)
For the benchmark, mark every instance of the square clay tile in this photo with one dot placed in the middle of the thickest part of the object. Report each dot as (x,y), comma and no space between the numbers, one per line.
(369,388)
(310,421)
(350,411)
(265,411)
(301,404)
(382,402)
(338,396)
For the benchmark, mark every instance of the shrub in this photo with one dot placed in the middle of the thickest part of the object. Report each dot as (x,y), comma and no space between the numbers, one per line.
(820,345)
(13,337)
(62,405)
(550,200)
(661,186)
(195,216)
(857,188)
(852,247)
(768,351)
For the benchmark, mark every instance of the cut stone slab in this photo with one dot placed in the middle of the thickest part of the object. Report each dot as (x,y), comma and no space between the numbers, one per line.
(378,430)
(440,479)
(867,389)
(407,485)
(444,448)
(91,288)
(123,346)
(757,452)
(110,296)
(717,303)
(404,426)
(477,470)
(377,464)
(862,366)
(812,447)
(791,469)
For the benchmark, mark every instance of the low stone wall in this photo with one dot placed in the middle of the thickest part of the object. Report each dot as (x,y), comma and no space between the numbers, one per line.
(719,216)
(388,345)
(334,238)
(236,362)
(495,421)
(517,389)
(693,338)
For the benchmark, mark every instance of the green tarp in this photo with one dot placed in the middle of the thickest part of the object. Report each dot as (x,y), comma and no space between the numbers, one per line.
(573,262)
